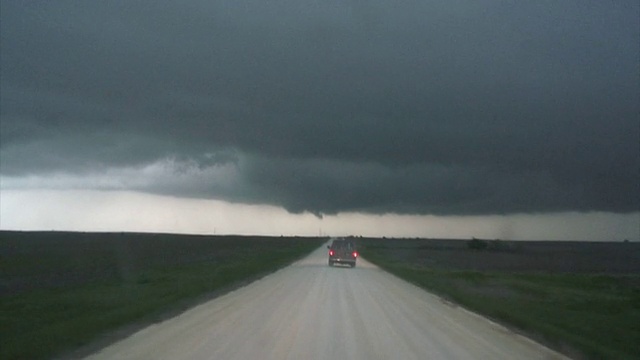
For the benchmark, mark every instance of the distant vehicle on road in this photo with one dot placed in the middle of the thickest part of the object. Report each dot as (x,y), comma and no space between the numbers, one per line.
(342,251)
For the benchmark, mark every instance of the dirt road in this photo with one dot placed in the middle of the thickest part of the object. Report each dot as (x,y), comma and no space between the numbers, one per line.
(311,311)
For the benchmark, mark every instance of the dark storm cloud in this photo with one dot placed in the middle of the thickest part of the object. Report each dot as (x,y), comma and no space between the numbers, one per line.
(445,107)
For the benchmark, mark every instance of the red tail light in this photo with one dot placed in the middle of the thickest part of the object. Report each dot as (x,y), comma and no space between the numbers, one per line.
(355,254)
(330,252)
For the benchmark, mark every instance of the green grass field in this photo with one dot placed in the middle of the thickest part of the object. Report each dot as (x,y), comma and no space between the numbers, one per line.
(62,291)
(584,315)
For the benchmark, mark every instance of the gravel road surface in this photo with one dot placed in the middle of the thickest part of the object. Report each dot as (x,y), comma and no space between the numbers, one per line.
(312,311)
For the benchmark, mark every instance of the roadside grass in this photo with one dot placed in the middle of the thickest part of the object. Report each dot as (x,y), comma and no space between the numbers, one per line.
(45,315)
(591,316)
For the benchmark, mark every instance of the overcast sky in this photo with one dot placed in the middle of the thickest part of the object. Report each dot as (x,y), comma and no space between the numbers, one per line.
(456,108)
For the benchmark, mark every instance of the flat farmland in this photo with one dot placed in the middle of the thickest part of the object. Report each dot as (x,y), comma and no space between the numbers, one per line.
(580,298)
(60,291)
(66,295)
